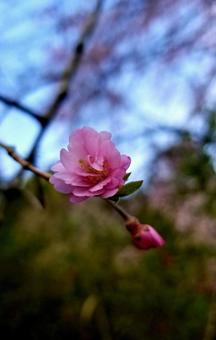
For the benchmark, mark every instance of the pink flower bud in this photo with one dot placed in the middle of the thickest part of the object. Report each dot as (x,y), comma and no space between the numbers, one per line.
(147,237)
(143,236)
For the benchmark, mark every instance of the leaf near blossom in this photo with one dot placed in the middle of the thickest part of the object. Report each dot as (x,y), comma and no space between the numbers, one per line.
(127,176)
(127,190)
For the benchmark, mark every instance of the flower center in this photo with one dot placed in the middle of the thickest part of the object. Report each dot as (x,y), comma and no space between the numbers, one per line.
(100,175)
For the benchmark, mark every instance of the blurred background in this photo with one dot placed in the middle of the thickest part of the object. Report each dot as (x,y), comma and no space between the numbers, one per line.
(145,70)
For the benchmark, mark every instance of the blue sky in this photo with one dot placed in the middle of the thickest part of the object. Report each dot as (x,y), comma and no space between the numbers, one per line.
(159,95)
(20,130)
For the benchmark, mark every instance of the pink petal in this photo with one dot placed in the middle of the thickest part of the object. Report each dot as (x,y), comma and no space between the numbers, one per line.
(59,185)
(110,153)
(105,135)
(97,165)
(82,192)
(100,185)
(82,173)
(73,180)
(66,159)
(58,167)
(114,183)
(109,193)
(125,161)
(75,199)
(90,139)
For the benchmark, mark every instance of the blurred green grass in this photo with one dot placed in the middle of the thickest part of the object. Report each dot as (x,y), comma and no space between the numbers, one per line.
(69,271)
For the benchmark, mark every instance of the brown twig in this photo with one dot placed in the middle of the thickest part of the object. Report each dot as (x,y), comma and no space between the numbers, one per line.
(13,103)
(25,164)
(67,76)
(46,175)
(122,212)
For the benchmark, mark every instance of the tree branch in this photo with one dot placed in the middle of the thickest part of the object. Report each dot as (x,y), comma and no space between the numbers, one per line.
(122,212)
(46,175)
(67,75)
(13,103)
(25,164)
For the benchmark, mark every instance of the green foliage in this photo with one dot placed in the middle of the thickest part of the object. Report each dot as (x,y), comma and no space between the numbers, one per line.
(69,271)
(127,176)
(127,189)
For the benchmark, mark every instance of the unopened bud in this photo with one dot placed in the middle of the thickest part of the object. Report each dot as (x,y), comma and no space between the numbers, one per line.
(143,236)
(147,237)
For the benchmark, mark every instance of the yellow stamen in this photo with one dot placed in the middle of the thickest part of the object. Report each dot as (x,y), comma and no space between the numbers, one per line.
(101,174)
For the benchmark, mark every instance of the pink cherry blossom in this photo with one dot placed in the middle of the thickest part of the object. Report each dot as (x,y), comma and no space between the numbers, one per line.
(90,166)
(147,237)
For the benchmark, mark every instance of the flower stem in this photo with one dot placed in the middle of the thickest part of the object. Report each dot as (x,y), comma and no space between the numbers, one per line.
(124,214)
(46,175)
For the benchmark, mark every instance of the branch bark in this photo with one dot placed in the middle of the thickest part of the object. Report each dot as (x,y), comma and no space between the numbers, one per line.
(46,176)
(13,103)
(24,163)
(68,75)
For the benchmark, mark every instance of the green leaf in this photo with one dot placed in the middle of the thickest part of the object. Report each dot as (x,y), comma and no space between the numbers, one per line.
(127,189)
(127,176)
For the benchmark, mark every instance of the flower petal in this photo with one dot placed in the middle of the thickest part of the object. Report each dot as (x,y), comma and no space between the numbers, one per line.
(75,199)
(109,193)
(66,159)
(100,185)
(125,161)
(60,185)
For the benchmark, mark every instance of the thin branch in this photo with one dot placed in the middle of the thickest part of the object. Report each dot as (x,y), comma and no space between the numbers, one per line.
(122,212)
(46,175)
(25,164)
(74,63)
(13,103)
(68,75)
